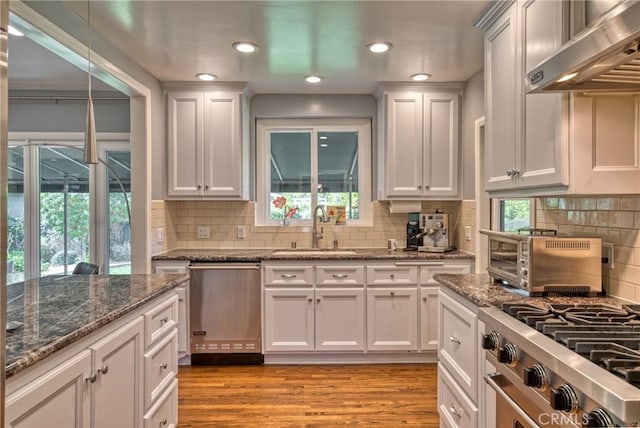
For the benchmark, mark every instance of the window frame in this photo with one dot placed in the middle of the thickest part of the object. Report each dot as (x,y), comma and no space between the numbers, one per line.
(264,127)
(497,220)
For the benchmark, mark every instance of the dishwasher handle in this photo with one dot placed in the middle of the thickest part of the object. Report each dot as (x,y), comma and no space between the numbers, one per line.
(224,266)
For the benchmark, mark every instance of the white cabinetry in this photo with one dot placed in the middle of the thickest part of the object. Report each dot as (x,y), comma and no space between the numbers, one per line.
(179,267)
(207,143)
(106,380)
(459,368)
(419,142)
(289,320)
(340,319)
(392,319)
(526,135)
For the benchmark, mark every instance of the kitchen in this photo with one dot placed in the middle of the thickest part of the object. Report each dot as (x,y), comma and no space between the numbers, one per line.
(604,203)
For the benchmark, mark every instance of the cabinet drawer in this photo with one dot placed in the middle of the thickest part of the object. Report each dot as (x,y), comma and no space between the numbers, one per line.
(339,275)
(164,412)
(457,343)
(160,319)
(427,272)
(455,408)
(288,275)
(181,267)
(160,367)
(392,275)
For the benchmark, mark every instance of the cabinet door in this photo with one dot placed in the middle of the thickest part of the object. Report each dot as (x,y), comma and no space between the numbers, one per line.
(392,319)
(289,323)
(222,144)
(500,102)
(543,154)
(441,141)
(58,399)
(184,142)
(183,320)
(429,318)
(340,320)
(403,141)
(118,389)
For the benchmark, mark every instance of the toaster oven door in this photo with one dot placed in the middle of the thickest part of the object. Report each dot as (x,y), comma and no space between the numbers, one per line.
(504,256)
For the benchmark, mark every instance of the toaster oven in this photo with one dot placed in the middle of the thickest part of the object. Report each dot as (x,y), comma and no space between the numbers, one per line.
(542,264)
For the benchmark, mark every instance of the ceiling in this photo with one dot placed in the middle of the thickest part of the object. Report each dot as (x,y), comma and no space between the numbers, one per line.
(173,40)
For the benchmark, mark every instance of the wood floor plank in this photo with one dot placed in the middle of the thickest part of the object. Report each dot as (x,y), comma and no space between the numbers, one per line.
(308,395)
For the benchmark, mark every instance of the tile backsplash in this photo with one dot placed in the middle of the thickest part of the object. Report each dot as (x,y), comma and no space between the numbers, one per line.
(179,220)
(615,219)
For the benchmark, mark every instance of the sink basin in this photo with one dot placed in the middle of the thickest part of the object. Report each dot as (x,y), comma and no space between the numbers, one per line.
(314,253)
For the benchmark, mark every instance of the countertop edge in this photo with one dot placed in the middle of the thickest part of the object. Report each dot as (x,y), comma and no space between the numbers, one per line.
(33,357)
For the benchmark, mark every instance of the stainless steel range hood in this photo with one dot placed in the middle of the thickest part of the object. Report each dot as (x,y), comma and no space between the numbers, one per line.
(605,57)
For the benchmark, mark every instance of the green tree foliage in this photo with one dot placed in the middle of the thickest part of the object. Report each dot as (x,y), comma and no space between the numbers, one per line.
(516,214)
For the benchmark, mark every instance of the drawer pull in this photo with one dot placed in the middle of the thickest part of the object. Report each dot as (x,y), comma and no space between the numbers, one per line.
(424,299)
(454,411)
(163,422)
(393,293)
(164,366)
(92,378)
(318,300)
(104,369)
(393,276)
(340,275)
(455,340)
(288,276)
(164,320)
(310,299)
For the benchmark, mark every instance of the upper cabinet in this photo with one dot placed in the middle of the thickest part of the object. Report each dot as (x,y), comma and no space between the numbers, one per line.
(207,143)
(537,144)
(526,138)
(419,142)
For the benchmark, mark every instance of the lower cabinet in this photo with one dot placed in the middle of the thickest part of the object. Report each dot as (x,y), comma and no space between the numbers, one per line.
(308,320)
(164,412)
(179,267)
(392,319)
(109,382)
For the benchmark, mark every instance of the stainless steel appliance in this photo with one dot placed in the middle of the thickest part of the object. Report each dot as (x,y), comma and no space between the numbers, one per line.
(564,365)
(604,57)
(542,264)
(435,232)
(225,313)
(414,234)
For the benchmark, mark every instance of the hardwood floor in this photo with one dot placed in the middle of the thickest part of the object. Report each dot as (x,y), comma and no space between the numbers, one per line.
(308,395)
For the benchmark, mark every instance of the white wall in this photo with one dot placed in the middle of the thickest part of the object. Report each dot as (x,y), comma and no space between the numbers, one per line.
(472,109)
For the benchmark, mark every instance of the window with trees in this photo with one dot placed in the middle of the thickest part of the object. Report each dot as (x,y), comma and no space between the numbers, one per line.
(303,163)
(62,211)
(515,214)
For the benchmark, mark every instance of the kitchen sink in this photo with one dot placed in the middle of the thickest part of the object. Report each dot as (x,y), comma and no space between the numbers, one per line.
(303,252)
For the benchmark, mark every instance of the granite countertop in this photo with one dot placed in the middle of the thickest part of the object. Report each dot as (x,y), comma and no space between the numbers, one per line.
(480,290)
(44,315)
(257,255)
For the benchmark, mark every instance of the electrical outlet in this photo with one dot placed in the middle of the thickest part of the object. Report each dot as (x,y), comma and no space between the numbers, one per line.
(467,233)
(202,232)
(240,231)
(159,235)
(607,254)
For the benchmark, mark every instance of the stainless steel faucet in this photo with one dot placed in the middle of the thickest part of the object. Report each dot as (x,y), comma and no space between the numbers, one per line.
(323,219)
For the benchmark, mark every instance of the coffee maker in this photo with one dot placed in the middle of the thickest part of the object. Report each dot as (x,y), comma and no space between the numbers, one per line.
(434,228)
(414,237)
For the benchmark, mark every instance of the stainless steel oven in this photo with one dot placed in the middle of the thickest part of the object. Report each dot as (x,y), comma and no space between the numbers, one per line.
(563,364)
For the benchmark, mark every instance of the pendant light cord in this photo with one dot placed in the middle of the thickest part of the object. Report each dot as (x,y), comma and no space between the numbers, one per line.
(89,53)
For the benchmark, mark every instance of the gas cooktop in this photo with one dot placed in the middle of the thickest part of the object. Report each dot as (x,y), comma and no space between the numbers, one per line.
(607,335)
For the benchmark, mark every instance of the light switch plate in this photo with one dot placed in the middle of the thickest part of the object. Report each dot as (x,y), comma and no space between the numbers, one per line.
(467,233)
(159,235)
(607,254)
(202,232)
(241,232)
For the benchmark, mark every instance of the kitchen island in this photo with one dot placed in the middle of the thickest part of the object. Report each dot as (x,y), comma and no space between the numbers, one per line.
(80,346)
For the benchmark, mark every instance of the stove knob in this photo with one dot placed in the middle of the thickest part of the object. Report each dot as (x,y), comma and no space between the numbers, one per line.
(536,377)
(564,398)
(524,271)
(490,341)
(508,354)
(598,418)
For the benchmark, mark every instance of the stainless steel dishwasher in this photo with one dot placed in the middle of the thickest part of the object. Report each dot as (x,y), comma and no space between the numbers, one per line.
(225,313)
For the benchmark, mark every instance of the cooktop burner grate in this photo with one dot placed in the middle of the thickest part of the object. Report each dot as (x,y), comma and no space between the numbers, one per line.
(607,335)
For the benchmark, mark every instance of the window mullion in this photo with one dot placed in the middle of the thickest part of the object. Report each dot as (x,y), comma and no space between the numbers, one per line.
(31,212)
(314,170)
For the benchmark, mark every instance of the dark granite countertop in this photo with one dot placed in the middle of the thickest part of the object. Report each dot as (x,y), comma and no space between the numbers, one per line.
(257,255)
(44,315)
(480,290)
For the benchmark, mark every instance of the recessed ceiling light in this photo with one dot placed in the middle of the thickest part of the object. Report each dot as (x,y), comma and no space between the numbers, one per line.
(207,77)
(567,77)
(323,137)
(379,47)
(14,31)
(245,47)
(314,79)
(324,145)
(420,77)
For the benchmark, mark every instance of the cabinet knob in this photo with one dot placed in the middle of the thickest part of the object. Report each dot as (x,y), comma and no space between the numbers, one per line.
(424,299)
(164,366)
(393,276)
(509,172)
(92,378)
(206,187)
(393,293)
(164,320)
(426,187)
(516,172)
(455,340)
(199,186)
(454,411)
(163,422)
(310,300)
(104,369)
(419,186)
